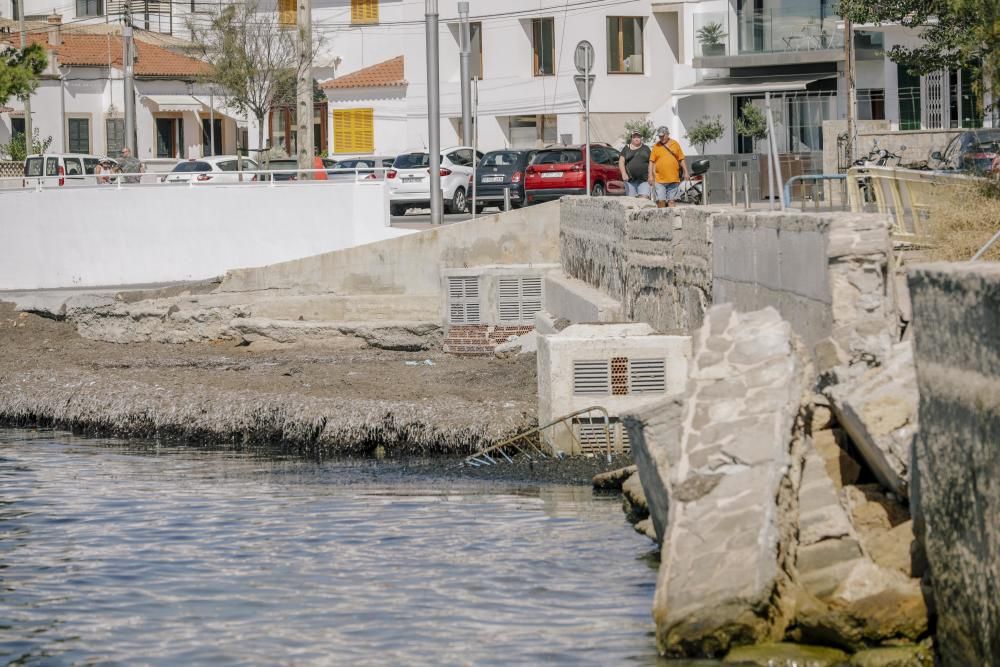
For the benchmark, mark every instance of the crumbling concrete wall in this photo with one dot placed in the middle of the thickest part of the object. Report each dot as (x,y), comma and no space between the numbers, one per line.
(956,490)
(655,262)
(825,274)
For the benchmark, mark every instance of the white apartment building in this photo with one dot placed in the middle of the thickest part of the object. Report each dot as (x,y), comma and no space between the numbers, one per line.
(653,62)
(167,17)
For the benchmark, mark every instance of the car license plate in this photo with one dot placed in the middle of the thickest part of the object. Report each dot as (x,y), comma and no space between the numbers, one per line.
(492,179)
(551,174)
(412,179)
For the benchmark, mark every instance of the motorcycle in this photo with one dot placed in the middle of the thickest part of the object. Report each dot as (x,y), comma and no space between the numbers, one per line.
(877,157)
(693,189)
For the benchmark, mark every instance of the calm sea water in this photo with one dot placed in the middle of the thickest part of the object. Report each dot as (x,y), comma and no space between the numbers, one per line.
(118,553)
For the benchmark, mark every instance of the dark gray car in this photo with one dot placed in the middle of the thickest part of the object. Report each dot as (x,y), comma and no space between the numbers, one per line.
(498,170)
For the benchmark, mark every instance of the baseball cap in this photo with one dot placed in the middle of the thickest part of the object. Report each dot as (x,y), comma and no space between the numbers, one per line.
(636,133)
(662,130)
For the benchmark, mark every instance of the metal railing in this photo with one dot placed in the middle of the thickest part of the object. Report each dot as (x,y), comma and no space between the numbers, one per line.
(245,178)
(816,191)
(529,445)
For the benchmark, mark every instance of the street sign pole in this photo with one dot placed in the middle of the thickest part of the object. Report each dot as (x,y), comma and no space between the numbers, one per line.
(583,58)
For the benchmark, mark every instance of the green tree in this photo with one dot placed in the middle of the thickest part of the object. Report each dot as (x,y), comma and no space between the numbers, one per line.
(16,149)
(252,56)
(752,124)
(643,127)
(956,33)
(19,71)
(705,131)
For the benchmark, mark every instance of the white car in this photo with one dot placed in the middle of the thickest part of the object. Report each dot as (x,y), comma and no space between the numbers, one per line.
(409,180)
(216,169)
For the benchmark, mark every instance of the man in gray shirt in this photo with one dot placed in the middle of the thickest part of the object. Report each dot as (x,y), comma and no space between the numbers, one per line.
(633,162)
(130,165)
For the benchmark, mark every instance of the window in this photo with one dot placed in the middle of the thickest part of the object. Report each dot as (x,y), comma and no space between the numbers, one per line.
(286,13)
(90,7)
(871,104)
(476,48)
(73,166)
(114,133)
(908,86)
(16,126)
(169,138)
(532,131)
(364,11)
(798,120)
(625,45)
(208,146)
(353,131)
(78,131)
(543,42)
(462,158)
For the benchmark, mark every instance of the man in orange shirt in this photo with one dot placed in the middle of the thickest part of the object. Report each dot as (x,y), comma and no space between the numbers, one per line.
(666,166)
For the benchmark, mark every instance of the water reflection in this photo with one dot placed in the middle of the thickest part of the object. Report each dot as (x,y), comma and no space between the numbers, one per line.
(118,553)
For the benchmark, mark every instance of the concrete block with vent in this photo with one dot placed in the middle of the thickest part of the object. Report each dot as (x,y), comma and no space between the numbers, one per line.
(621,367)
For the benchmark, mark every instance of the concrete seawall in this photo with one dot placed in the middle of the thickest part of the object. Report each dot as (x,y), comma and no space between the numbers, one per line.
(956,323)
(825,274)
(87,237)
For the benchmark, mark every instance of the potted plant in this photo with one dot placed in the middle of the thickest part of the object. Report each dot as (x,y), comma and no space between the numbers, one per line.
(710,36)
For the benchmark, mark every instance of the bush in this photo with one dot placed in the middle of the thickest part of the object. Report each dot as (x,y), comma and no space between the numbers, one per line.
(16,150)
(705,131)
(752,124)
(643,127)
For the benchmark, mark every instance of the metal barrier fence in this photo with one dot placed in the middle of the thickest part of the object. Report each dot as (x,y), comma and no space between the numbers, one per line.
(246,178)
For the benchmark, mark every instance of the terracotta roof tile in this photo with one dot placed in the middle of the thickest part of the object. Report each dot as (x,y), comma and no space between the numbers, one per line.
(99,50)
(388,73)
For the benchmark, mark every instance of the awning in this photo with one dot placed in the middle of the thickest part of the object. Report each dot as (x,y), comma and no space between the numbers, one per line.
(753,84)
(175,103)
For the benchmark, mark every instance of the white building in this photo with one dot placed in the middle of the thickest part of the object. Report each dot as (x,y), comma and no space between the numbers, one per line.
(653,61)
(80,101)
(160,16)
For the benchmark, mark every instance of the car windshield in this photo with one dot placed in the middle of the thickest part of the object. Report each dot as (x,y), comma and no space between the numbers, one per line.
(354,164)
(563,156)
(412,161)
(501,159)
(192,166)
(983,140)
(33,167)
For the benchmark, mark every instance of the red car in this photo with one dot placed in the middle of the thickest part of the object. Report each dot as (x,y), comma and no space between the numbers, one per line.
(560,170)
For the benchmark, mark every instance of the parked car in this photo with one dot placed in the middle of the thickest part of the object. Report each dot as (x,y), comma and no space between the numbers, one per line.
(288,167)
(973,151)
(409,180)
(560,170)
(61,169)
(499,170)
(368,168)
(215,169)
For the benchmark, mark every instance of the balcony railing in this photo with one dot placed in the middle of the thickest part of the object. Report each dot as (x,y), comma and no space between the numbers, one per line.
(766,31)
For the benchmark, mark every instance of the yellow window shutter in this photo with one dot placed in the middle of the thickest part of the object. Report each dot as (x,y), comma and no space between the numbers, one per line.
(286,13)
(353,131)
(364,11)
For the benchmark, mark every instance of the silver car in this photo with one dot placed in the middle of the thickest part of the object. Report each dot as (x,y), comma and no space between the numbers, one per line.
(361,168)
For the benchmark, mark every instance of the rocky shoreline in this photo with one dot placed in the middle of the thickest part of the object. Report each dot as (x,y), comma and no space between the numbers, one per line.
(318,401)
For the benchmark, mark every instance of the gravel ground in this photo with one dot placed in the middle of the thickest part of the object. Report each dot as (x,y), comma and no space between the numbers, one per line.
(321,401)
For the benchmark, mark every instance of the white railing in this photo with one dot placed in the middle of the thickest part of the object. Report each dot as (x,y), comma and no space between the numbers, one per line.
(244,178)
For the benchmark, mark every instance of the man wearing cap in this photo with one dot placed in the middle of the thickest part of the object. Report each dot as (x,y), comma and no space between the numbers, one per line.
(633,164)
(666,166)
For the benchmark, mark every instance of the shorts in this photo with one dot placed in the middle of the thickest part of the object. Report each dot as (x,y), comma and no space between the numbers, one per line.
(667,191)
(637,187)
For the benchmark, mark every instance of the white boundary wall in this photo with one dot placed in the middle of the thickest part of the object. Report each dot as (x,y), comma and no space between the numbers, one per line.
(102,236)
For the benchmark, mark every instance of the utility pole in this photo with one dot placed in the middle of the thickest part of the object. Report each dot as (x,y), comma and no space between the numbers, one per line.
(128,63)
(465,56)
(29,140)
(433,110)
(304,88)
(852,102)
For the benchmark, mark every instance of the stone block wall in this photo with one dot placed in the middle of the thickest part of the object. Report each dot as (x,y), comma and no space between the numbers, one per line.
(655,262)
(956,482)
(825,274)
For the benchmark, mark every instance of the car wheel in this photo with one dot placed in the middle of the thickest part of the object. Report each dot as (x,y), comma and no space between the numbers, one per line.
(458,203)
(397,209)
(598,190)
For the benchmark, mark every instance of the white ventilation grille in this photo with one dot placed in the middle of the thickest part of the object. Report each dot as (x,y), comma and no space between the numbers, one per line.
(591,378)
(647,376)
(463,300)
(593,437)
(519,298)
(626,443)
